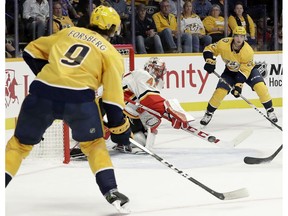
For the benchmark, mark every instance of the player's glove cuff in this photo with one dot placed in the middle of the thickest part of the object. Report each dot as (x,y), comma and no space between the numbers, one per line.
(210,61)
(236,92)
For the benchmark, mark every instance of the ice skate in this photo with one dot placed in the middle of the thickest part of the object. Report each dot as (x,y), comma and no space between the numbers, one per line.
(206,118)
(118,200)
(271,115)
(122,148)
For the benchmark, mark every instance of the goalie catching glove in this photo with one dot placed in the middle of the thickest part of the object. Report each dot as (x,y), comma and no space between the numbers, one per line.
(178,117)
(237,90)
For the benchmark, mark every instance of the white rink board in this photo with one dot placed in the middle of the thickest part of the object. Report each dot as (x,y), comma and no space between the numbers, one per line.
(185,80)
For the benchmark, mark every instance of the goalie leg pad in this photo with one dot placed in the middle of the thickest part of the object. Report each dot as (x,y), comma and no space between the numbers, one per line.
(150,121)
(139,137)
(150,139)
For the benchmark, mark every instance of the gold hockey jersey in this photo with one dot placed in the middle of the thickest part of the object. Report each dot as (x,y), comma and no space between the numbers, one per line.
(241,61)
(80,59)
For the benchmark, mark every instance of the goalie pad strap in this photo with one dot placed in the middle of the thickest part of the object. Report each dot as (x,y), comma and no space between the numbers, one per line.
(122,128)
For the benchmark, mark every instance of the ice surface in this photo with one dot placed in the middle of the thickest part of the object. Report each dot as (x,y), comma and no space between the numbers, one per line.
(52,188)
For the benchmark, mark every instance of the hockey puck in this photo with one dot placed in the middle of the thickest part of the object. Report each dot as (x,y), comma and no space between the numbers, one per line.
(211,138)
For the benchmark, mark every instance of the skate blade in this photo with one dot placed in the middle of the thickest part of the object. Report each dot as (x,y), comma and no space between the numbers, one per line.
(121,209)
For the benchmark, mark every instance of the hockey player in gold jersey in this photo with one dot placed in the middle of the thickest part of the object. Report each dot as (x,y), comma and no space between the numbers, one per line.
(69,66)
(239,69)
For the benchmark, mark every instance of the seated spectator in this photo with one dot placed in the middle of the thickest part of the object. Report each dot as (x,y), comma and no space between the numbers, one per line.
(166,25)
(84,19)
(279,38)
(145,31)
(173,7)
(264,35)
(35,14)
(241,18)
(214,24)
(193,28)
(9,49)
(221,5)
(68,9)
(60,21)
(121,7)
(202,8)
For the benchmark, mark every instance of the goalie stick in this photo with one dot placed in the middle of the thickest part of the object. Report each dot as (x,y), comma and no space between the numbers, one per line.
(254,160)
(236,194)
(200,133)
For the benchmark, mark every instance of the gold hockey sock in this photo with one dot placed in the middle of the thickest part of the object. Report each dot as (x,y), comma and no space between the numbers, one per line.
(217,97)
(15,153)
(97,155)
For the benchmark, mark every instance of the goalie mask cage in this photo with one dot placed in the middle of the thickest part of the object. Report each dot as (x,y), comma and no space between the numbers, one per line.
(57,140)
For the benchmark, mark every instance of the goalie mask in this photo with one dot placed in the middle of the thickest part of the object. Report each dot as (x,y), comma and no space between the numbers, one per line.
(156,68)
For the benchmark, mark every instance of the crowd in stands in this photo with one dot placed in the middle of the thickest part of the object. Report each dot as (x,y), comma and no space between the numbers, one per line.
(156,26)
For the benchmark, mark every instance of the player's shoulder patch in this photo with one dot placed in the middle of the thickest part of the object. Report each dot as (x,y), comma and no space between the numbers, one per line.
(225,40)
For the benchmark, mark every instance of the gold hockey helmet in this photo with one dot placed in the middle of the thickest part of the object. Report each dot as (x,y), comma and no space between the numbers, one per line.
(105,17)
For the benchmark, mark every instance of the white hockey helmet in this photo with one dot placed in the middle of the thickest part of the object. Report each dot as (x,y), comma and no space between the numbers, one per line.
(155,67)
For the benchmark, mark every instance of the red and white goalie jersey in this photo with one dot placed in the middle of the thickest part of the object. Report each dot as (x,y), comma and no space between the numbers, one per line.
(140,86)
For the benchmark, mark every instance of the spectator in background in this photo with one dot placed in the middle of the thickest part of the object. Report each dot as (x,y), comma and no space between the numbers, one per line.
(85,18)
(121,7)
(35,15)
(166,25)
(68,9)
(9,49)
(173,7)
(192,26)
(145,31)
(221,5)
(202,8)
(264,35)
(214,24)
(60,21)
(241,18)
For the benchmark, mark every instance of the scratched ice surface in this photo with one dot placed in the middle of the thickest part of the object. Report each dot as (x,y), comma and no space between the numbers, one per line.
(52,188)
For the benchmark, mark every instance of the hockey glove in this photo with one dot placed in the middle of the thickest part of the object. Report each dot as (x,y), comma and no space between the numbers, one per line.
(176,116)
(237,90)
(122,133)
(210,65)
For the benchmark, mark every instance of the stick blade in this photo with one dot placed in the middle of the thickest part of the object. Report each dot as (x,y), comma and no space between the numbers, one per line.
(253,160)
(237,140)
(237,194)
(241,137)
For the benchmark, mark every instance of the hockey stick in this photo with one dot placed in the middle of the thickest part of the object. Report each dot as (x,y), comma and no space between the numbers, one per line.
(255,160)
(236,194)
(198,132)
(247,101)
